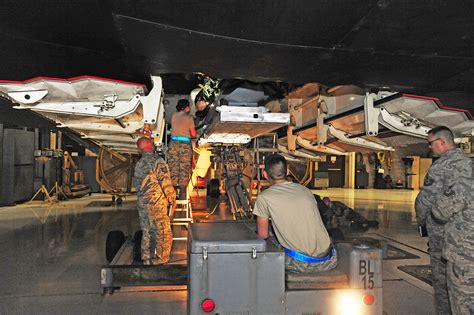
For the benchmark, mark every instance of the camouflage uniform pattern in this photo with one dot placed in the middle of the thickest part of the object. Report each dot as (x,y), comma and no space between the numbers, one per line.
(154,193)
(324,211)
(294,265)
(345,215)
(454,206)
(461,286)
(180,155)
(447,169)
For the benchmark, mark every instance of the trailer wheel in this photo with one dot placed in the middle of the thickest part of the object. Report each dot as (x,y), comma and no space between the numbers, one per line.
(213,190)
(115,240)
(137,246)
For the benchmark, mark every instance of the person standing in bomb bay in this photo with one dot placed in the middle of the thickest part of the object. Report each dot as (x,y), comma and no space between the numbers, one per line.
(180,152)
(444,179)
(154,194)
(453,206)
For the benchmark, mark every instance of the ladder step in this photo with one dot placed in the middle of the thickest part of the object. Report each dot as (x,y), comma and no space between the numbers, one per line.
(180,223)
(182,206)
(180,238)
(183,220)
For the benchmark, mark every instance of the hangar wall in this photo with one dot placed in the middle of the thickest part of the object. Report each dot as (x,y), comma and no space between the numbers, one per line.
(18,165)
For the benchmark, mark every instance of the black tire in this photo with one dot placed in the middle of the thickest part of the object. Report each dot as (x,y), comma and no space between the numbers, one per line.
(137,246)
(119,200)
(115,240)
(214,188)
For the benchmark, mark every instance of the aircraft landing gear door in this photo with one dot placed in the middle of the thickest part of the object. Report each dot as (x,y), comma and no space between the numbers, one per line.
(231,270)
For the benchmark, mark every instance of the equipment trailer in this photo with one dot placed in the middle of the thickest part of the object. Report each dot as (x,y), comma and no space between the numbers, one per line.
(231,271)
(125,270)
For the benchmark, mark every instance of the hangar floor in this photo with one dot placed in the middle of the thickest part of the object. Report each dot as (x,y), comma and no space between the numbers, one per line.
(52,255)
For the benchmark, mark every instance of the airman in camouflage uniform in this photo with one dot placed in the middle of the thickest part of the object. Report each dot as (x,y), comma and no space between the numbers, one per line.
(445,186)
(454,206)
(295,219)
(154,194)
(346,216)
(180,153)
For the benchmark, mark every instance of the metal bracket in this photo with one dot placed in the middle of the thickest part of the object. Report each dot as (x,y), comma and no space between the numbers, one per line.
(251,114)
(154,110)
(152,102)
(127,138)
(371,115)
(130,127)
(27,97)
(306,144)
(403,123)
(254,252)
(107,108)
(294,155)
(204,253)
(108,103)
(360,142)
(227,138)
(291,138)
(322,129)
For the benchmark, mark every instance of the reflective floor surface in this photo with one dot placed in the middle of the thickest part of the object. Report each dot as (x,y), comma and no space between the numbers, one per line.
(52,253)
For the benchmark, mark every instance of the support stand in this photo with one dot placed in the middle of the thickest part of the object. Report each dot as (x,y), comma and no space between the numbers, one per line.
(43,190)
(57,192)
(50,196)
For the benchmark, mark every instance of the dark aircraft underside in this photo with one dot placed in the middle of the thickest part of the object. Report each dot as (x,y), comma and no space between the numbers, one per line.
(422,47)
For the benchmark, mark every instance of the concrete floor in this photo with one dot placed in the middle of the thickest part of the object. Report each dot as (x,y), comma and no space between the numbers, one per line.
(52,255)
